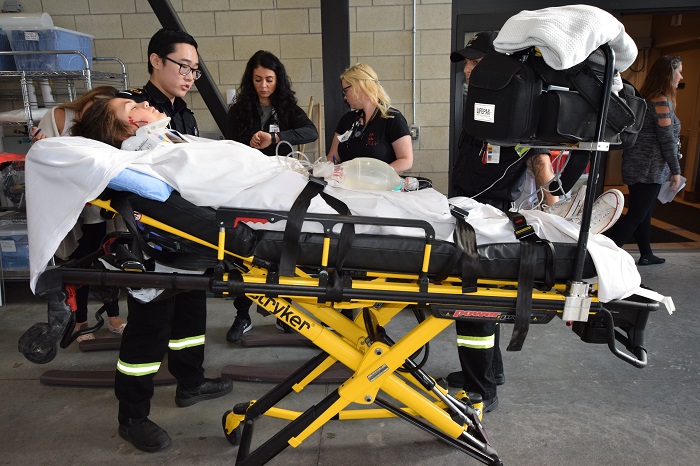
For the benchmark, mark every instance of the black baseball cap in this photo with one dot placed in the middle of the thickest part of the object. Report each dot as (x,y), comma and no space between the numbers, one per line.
(478,46)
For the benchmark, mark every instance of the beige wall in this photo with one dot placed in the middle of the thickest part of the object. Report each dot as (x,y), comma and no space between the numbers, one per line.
(230,31)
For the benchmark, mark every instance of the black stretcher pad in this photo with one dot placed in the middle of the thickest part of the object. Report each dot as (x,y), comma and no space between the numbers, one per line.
(376,253)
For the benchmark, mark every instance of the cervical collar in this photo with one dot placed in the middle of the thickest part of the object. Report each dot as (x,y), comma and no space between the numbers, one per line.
(152,134)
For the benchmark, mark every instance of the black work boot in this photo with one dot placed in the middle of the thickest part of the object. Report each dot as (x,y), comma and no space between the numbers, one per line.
(144,434)
(210,389)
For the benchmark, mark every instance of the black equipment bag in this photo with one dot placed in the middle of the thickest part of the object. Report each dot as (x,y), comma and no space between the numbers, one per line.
(568,118)
(546,106)
(638,105)
(503,100)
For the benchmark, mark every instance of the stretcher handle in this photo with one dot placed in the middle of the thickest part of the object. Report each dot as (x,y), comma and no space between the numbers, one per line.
(229,217)
(595,158)
(639,357)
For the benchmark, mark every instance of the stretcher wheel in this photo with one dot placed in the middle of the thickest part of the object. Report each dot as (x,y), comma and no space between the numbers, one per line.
(35,346)
(229,422)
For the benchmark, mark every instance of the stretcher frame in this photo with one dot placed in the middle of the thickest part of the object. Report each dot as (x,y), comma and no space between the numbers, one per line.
(379,365)
(372,357)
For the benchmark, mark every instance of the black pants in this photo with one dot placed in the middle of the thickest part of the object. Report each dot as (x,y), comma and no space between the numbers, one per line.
(93,233)
(175,325)
(242,305)
(480,363)
(479,356)
(637,221)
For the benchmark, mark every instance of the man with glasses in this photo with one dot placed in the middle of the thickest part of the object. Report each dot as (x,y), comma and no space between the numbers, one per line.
(177,322)
(173,64)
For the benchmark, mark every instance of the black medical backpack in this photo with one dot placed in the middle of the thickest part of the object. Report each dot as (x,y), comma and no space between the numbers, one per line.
(519,99)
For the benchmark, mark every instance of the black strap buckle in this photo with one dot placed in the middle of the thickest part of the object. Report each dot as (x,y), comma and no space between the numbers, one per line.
(521,228)
(319,181)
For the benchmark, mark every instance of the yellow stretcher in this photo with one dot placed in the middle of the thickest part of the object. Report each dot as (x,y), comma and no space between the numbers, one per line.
(306,285)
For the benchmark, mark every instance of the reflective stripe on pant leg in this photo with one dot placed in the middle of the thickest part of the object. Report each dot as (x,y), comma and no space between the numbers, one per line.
(186,342)
(137,370)
(476,342)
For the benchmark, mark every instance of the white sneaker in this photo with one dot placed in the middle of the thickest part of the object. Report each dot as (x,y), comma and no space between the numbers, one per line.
(568,207)
(606,211)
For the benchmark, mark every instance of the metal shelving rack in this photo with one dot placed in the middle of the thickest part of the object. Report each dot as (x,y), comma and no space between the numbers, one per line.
(64,84)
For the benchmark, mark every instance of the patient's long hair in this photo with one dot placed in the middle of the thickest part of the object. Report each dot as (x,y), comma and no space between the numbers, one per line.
(244,111)
(89,97)
(100,122)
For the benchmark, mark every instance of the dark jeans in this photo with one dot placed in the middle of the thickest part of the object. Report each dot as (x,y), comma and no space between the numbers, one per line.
(637,221)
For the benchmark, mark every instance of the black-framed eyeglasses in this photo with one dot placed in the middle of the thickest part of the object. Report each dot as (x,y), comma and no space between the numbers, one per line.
(345,90)
(186,69)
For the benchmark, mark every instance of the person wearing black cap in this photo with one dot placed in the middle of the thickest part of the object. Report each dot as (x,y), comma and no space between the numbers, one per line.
(176,324)
(483,171)
(492,175)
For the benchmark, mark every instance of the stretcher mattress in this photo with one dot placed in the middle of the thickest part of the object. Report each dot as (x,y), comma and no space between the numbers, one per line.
(385,253)
(405,255)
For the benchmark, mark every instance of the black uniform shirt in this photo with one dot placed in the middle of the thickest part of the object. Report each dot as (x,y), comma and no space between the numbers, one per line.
(181,118)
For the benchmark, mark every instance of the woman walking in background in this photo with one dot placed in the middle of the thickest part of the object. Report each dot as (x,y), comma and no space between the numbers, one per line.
(654,158)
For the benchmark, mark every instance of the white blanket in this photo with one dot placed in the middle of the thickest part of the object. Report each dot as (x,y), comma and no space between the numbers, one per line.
(567,35)
(62,174)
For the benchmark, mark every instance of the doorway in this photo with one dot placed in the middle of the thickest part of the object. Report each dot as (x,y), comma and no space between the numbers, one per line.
(670,34)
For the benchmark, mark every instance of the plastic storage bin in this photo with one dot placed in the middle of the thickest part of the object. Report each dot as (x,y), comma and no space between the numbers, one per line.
(14,248)
(7,62)
(54,38)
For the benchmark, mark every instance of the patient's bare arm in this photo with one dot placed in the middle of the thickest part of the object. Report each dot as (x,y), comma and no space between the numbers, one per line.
(541,166)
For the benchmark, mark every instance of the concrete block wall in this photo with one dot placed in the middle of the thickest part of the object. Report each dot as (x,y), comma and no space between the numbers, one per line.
(230,31)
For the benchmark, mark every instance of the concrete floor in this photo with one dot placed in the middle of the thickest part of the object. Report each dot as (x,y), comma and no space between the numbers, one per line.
(565,402)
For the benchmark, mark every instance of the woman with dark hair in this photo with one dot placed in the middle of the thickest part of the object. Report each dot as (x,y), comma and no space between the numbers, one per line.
(265,111)
(654,158)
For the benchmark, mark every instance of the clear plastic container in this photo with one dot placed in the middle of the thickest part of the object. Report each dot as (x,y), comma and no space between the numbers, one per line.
(364,173)
(55,38)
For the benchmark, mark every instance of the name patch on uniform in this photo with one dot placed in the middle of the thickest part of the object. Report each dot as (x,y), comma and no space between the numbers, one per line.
(484,112)
(493,154)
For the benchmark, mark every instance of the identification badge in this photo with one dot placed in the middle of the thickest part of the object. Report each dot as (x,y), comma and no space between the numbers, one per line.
(493,154)
(274,129)
(345,136)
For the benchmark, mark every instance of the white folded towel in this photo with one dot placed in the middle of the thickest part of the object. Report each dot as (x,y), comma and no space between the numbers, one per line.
(567,35)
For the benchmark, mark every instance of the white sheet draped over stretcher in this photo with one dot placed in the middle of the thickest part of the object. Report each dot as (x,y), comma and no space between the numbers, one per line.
(62,174)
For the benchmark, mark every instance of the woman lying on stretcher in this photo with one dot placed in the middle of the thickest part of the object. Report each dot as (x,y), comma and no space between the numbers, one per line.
(226,173)
(117,121)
